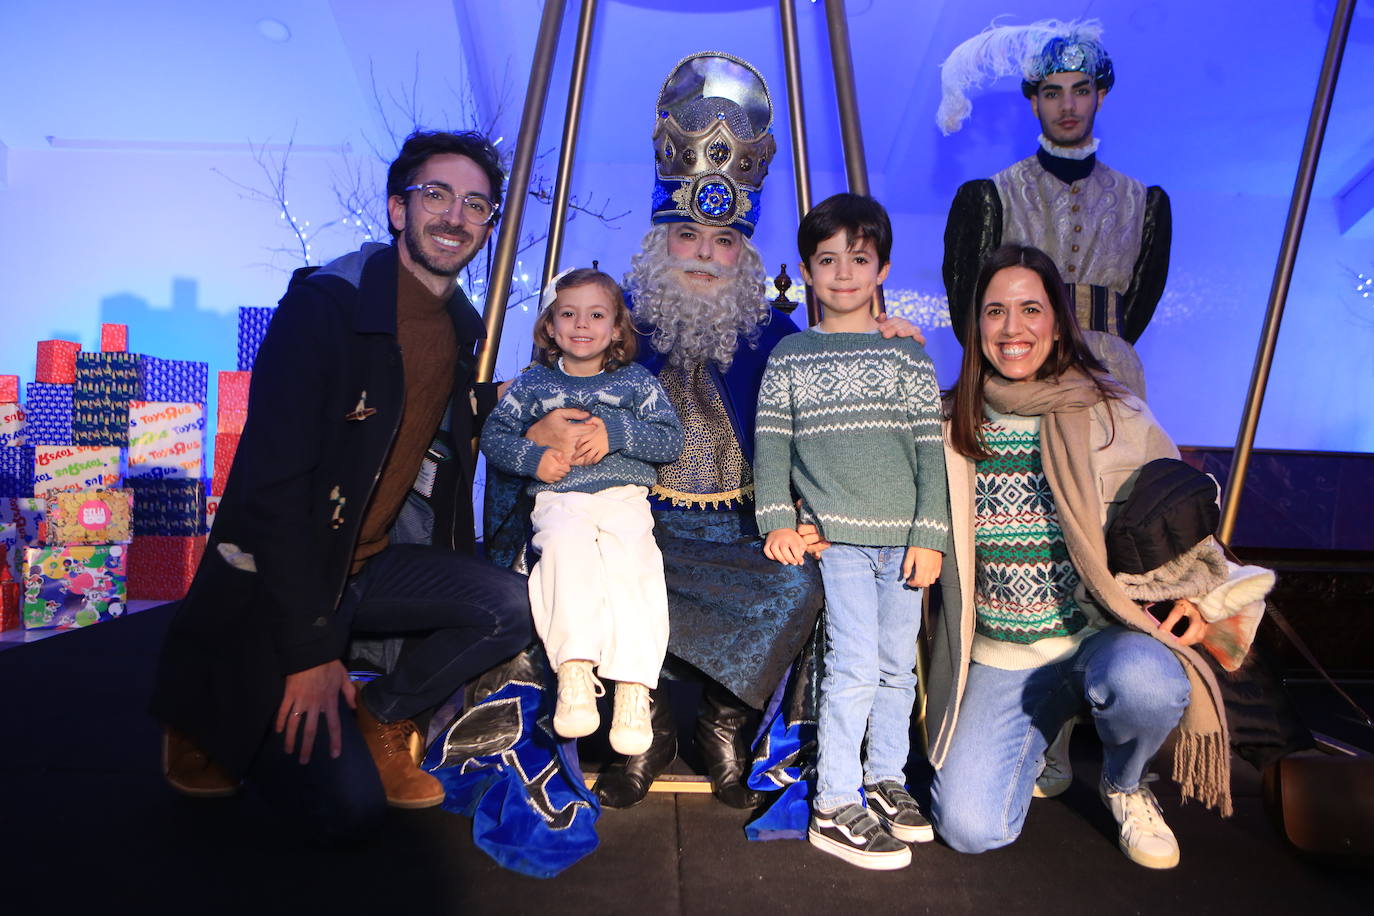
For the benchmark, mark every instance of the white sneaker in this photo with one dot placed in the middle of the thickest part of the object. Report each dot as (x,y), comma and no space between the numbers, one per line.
(576,715)
(630,731)
(1144,838)
(1057,774)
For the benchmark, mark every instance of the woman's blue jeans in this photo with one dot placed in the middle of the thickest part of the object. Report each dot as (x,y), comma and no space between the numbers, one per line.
(1135,688)
(868,680)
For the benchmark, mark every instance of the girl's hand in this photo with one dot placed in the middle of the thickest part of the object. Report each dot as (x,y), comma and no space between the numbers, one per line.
(921,566)
(553,466)
(595,444)
(786,546)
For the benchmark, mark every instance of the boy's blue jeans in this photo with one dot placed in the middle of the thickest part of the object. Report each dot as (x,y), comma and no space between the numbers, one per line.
(1137,692)
(868,681)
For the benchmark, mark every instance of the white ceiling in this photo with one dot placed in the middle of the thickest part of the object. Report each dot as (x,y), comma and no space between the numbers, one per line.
(1211,95)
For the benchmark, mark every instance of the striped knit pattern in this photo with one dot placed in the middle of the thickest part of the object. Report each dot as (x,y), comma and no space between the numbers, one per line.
(851,423)
(1023,588)
(641,426)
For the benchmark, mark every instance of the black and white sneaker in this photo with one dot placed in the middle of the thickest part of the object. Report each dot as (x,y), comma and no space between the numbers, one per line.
(897,810)
(852,833)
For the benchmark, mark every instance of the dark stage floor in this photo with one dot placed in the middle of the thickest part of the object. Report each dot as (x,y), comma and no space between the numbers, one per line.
(88,826)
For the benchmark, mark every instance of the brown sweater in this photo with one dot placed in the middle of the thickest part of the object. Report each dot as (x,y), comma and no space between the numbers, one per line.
(429,351)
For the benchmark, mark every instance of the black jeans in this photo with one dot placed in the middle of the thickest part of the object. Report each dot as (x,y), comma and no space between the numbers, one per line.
(466,616)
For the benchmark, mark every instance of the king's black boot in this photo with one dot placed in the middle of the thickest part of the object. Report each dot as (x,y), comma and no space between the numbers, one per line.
(625,781)
(725,732)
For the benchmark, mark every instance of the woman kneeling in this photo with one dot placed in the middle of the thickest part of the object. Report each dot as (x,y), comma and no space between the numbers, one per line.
(1040,443)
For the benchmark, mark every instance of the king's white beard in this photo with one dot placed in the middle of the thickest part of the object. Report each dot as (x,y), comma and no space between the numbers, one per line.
(689,324)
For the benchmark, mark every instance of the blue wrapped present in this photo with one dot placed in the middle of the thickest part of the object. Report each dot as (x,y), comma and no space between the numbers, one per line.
(117,375)
(178,380)
(253,322)
(48,419)
(168,506)
(16,471)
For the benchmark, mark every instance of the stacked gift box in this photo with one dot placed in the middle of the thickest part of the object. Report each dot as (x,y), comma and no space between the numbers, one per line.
(105,385)
(75,575)
(121,423)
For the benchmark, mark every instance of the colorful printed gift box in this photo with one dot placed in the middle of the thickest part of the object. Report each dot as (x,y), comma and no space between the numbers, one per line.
(211,510)
(9,389)
(90,517)
(49,414)
(168,506)
(166,439)
(226,446)
(57,362)
(114,338)
(74,586)
(76,467)
(232,408)
(161,568)
(11,425)
(253,322)
(23,523)
(16,471)
(176,380)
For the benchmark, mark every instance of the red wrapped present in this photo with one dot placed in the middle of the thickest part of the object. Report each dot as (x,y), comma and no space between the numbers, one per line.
(57,362)
(230,421)
(9,389)
(114,338)
(161,567)
(233,390)
(226,444)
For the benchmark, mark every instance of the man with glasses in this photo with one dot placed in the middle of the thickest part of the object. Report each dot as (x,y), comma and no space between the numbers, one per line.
(348,511)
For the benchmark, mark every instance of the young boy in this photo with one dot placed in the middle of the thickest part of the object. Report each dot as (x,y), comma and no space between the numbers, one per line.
(850,421)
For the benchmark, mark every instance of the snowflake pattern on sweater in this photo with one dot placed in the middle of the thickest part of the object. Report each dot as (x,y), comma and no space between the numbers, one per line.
(641,426)
(851,422)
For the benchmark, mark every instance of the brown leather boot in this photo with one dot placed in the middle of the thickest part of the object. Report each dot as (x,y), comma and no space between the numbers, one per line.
(190,770)
(391,744)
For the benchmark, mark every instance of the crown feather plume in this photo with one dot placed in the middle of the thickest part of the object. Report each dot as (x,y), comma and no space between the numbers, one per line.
(995,52)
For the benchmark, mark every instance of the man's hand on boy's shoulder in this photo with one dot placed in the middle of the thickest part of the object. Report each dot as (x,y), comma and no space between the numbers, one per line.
(921,566)
(786,546)
(895,326)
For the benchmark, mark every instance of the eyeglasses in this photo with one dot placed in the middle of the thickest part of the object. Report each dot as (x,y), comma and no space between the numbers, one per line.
(439,200)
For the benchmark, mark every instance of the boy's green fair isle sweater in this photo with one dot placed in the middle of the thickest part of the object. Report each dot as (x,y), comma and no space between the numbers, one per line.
(851,422)
(642,428)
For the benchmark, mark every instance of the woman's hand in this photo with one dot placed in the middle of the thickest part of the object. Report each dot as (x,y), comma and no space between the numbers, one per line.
(1197,626)
(898,327)
(921,566)
(786,546)
(310,694)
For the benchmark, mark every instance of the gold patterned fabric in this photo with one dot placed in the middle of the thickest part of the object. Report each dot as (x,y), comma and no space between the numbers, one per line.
(712,471)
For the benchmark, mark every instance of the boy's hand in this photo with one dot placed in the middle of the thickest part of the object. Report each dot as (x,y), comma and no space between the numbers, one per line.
(553,466)
(811,537)
(921,566)
(786,546)
(595,443)
(898,327)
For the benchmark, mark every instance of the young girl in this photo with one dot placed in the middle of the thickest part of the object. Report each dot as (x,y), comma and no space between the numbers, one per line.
(597,593)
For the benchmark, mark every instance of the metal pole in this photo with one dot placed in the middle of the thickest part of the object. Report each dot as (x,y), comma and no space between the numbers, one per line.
(517,189)
(855,164)
(801,164)
(1283,272)
(571,120)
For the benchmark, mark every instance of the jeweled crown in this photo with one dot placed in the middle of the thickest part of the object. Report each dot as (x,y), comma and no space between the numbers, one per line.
(713,142)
